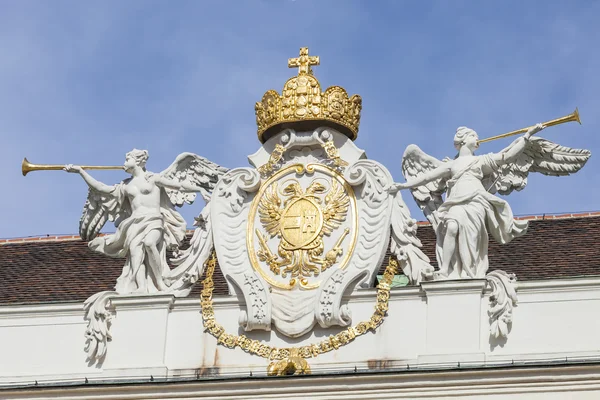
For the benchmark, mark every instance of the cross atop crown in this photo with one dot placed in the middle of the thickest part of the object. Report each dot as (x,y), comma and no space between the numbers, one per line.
(303,62)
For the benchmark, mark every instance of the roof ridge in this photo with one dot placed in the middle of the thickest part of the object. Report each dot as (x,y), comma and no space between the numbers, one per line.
(60,238)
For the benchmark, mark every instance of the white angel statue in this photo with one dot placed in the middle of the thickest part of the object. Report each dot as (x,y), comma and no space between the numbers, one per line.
(471,210)
(142,208)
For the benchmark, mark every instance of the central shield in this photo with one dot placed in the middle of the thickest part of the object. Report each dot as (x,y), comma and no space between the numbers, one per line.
(302,223)
(305,225)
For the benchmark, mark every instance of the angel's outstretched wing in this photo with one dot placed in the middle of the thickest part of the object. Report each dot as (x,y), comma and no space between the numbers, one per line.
(195,170)
(336,207)
(269,210)
(416,162)
(540,155)
(99,208)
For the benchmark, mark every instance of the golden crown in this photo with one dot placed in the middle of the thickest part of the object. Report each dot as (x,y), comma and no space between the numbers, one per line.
(302,105)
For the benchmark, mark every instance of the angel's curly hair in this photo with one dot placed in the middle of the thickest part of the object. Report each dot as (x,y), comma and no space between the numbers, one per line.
(140,157)
(461,133)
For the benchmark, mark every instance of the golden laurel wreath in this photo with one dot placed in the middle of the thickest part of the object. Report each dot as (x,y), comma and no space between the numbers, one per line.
(291,360)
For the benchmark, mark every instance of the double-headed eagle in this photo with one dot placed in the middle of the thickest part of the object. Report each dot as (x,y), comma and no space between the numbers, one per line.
(300,221)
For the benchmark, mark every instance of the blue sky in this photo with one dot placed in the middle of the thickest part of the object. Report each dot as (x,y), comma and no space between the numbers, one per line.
(84,83)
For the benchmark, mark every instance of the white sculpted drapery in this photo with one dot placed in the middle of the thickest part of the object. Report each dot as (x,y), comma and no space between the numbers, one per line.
(147,224)
(471,211)
(142,239)
(142,208)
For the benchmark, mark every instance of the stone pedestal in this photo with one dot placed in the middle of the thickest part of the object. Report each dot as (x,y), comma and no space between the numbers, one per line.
(453,320)
(139,332)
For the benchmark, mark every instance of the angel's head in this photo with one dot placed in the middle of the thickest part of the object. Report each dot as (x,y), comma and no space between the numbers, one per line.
(136,158)
(466,137)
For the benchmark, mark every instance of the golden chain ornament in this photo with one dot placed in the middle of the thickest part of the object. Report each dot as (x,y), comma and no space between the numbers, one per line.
(279,150)
(292,360)
(274,159)
(333,154)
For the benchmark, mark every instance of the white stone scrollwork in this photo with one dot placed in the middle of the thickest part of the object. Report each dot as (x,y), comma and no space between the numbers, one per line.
(369,179)
(229,212)
(236,185)
(98,315)
(502,301)
(329,314)
(297,286)
(258,302)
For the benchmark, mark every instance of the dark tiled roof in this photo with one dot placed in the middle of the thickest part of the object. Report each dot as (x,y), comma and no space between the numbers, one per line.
(39,271)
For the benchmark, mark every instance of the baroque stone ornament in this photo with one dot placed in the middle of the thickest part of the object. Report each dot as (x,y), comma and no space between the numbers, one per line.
(313,213)
(471,211)
(313,224)
(98,315)
(308,222)
(143,210)
(502,301)
(292,361)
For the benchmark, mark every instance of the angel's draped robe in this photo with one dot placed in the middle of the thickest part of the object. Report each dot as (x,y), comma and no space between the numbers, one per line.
(130,233)
(476,212)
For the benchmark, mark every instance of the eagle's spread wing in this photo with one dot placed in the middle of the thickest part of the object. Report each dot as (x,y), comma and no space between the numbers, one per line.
(269,210)
(335,209)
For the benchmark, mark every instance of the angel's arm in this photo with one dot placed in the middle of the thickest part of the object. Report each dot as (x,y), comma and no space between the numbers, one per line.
(442,171)
(93,183)
(510,153)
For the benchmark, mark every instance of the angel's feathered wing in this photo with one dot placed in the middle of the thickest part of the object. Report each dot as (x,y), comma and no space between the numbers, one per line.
(195,170)
(99,208)
(540,155)
(416,162)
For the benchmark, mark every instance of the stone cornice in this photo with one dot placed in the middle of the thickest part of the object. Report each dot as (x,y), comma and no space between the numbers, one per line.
(500,380)
(541,286)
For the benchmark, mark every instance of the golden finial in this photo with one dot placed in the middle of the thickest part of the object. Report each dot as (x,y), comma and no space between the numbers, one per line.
(303,62)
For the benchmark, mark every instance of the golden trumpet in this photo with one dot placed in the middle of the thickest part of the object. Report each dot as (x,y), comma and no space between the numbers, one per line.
(27,167)
(573,117)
